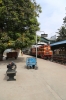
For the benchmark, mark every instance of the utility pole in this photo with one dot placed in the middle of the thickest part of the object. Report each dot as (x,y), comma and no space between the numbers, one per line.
(42,35)
(36,49)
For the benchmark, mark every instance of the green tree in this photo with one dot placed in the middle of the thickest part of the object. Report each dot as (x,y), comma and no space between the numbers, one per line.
(18,18)
(61,34)
(62,31)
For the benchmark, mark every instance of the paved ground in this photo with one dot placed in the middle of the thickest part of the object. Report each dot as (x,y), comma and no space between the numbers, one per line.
(46,83)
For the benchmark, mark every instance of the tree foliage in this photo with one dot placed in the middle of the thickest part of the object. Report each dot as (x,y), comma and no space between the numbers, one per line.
(62,31)
(18,19)
(61,34)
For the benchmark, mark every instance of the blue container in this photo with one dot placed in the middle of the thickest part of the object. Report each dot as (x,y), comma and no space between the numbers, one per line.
(31,62)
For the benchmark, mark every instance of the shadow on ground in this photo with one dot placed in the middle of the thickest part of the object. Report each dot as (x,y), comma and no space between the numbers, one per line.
(5,77)
(18,60)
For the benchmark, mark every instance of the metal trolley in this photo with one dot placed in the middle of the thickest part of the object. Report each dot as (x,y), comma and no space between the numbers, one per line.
(31,63)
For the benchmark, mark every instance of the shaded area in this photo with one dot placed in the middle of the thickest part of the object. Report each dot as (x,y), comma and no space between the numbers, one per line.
(18,60)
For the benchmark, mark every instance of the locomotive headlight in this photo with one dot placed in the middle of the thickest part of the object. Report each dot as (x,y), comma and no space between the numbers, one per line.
(50,51)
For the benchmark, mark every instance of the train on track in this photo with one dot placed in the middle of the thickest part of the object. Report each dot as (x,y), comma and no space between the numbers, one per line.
(43,51)
(54,52)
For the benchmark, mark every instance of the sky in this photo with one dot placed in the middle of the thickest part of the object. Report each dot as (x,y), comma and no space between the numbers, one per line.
(51,18)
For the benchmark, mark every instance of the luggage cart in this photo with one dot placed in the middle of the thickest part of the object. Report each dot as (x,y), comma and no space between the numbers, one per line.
(31,63)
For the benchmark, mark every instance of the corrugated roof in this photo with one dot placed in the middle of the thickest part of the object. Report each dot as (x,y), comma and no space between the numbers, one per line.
(58,43)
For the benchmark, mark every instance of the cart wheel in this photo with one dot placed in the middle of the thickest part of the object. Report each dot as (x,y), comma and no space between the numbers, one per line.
(15,57)
(33,66)
(28,67)
(36,68)
(6,58)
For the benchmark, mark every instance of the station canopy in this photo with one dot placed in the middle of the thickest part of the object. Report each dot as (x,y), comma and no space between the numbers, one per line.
(59,44)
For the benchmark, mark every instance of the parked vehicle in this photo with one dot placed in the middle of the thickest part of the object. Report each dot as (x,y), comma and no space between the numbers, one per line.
(12,55)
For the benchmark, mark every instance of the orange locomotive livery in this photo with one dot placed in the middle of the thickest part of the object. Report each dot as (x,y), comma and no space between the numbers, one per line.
(43,51)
